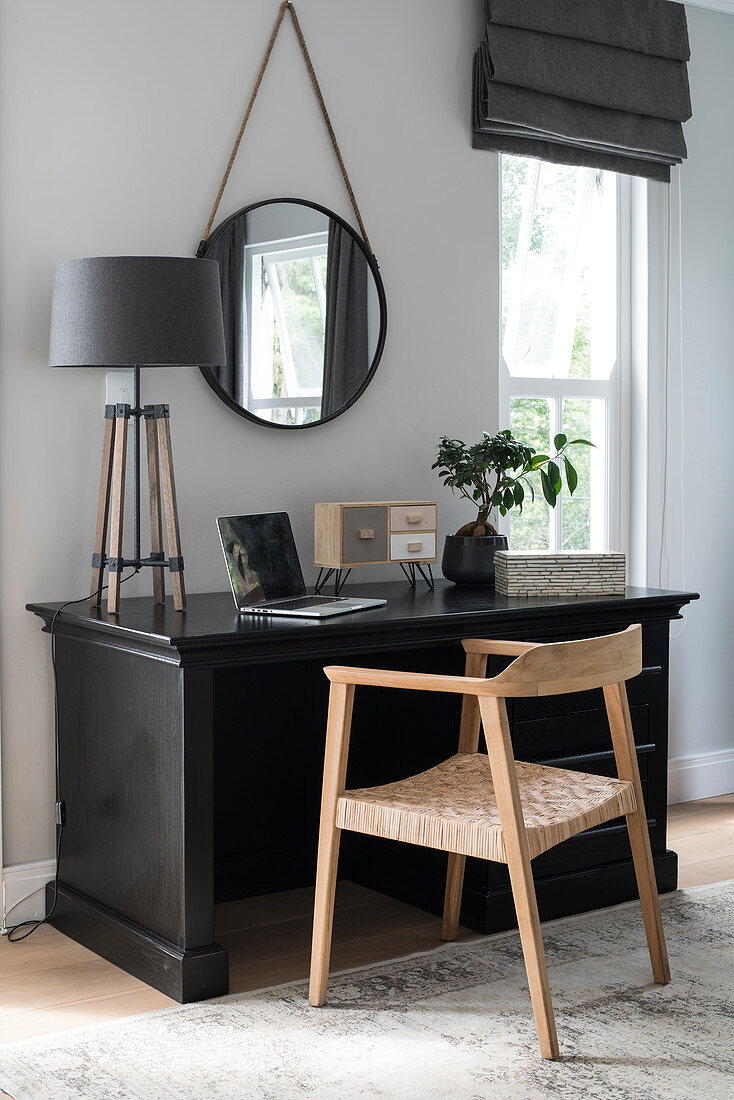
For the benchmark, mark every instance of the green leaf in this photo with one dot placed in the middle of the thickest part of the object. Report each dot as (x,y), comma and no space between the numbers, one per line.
(538,460)
(572,478)
(559,441)
(508,498)
(548,491)
(583,442)
(554,476)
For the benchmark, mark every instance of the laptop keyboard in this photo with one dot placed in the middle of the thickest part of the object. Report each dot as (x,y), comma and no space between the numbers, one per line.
(304,601)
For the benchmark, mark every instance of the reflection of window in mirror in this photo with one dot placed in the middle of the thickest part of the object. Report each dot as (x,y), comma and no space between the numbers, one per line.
(287,320)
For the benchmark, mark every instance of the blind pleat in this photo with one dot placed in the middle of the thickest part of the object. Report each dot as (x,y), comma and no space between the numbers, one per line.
(573,155)
(556,118)
(600,103)
(590,72)
(629,24)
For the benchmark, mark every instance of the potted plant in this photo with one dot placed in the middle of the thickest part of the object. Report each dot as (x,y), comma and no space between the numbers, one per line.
(494,475)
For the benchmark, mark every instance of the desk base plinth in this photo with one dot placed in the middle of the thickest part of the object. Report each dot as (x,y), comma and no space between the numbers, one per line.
(192,975)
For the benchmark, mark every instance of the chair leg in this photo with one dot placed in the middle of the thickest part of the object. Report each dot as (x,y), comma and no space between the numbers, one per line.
(323,914)
(648,891)
(620,724)
(341,702)
(469,730)
(452,896)
(504,777)
(528,922)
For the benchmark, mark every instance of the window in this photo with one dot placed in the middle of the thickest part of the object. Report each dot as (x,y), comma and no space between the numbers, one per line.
(562,368)
(286,296)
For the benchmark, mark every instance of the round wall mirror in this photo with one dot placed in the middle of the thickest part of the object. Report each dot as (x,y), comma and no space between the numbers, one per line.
(304,313)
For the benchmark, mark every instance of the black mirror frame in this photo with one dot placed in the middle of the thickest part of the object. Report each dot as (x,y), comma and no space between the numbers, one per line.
(374,268)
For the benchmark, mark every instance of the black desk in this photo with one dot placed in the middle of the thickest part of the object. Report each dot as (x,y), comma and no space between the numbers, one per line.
(170,724)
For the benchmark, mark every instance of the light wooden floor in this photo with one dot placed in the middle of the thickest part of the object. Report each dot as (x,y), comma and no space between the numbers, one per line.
(49,983)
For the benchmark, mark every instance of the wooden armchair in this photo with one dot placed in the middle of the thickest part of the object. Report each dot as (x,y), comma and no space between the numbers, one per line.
(493,806)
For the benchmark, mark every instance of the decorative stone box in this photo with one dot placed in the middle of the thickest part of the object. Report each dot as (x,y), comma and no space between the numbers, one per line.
(549,573)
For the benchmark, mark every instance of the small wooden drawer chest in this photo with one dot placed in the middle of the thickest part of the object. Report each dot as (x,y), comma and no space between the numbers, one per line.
(375,533)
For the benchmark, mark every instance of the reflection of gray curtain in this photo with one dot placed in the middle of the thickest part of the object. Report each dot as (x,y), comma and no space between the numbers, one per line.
(229,252)
(345,346)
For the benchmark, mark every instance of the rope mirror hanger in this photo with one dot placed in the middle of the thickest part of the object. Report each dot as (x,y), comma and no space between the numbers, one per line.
(285,6)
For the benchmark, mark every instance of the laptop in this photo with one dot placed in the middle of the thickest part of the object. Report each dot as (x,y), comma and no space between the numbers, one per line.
(265,573)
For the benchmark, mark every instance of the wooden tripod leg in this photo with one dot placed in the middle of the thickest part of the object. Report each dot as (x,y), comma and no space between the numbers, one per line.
(504,777)
(117,507)
(476,665)
(154,492)
(103,507)
(169,503)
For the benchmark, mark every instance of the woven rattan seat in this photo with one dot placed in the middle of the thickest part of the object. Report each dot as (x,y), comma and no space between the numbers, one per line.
(453,807)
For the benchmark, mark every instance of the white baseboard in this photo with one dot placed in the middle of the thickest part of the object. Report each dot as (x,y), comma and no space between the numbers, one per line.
(23,887)
(701,775)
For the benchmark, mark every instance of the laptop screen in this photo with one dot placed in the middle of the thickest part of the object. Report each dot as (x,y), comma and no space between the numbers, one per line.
(261,557)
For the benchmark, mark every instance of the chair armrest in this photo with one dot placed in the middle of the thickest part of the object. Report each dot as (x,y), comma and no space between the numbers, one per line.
(498,646)
(415,681)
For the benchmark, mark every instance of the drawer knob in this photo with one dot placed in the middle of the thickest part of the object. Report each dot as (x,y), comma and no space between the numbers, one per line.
(366,533)
(415,547)
(413,517)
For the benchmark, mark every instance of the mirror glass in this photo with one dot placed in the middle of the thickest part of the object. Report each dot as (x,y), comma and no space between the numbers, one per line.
(304,313)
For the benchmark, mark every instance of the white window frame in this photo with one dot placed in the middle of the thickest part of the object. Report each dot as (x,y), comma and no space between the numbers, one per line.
(656,402)
(615,390)
(268,253)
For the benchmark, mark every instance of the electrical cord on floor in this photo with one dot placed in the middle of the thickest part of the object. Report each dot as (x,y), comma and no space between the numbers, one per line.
(32,925)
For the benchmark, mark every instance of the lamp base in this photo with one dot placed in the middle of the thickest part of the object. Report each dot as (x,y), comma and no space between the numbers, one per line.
(111,506)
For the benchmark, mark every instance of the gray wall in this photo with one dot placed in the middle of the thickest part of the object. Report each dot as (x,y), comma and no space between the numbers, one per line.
(702,695)
(116,123)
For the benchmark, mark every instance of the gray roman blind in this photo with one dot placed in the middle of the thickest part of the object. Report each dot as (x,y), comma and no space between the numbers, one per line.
(599,83)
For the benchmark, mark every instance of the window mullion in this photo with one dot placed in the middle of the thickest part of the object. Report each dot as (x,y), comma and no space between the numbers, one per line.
(560,387)
(557,427)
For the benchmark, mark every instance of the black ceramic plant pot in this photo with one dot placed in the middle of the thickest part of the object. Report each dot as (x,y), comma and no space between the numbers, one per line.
(471,560)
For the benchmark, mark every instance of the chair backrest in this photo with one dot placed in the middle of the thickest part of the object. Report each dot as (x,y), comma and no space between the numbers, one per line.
(561,667)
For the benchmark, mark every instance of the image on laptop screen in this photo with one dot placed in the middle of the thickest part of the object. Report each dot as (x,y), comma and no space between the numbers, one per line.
(261,557)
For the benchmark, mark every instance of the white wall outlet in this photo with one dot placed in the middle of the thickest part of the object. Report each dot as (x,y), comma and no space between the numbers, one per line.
(119,386)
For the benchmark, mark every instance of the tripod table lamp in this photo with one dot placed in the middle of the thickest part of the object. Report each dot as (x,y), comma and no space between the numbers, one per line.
(133,312)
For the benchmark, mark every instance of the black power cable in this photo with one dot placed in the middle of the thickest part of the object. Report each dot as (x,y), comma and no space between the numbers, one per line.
(60,814)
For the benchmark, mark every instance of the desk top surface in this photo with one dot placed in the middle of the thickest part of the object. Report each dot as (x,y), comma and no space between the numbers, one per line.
(211,619)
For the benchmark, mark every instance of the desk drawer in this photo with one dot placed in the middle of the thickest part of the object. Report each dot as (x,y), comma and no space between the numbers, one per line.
(364,534)
(413,517)
(413,546)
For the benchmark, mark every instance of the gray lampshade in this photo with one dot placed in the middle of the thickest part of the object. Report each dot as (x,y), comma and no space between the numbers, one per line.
(147,311)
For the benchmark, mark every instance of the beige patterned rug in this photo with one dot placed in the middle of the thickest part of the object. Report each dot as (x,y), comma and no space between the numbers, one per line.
(454,1022)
